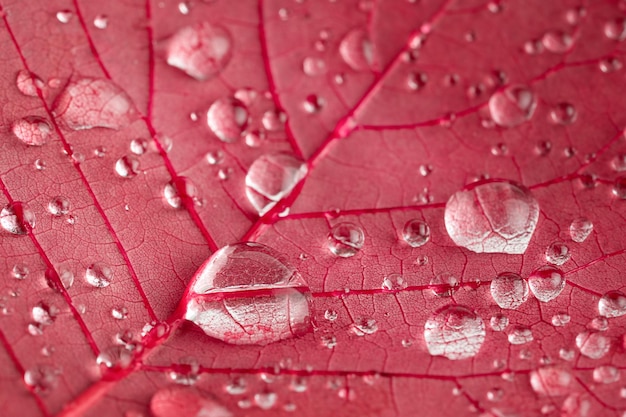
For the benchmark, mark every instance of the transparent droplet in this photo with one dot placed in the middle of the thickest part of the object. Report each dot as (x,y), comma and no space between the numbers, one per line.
(394,282)
(237,386)
(560,319)
(509,290)
(615,29)
(546,283)
(557,41)
(214,157)
(247,293)
(619,187)
(270,178)
(444,284)
(183,8)
(606,374)
(619,162)
(28,83)
(495,394)
(138,146)
(19,271)
(100,151)
(512,106)
(119,313)
(64,16)
(600,324)
(330,315)
(35,329)
(364,326)
(612,304)
(345,239)
(558,253)
(611,64)
(356,50)
(580,229)
(202,50)
(227,118)
(551,381)
(32,130)
(179,190)
(313,66)
(416,233)
(567,354)
(492,216)
(592,344)
(99,275)
(543,148)
(563,114)
(186,372)
(42,378)
(533,47)
(101,21)
(115,357)
(313,103)
(44,314)
(455,332)
(499,323)
(520,335)
(416,81)
(265,400)
(273,120)
(127,167)
(16,218)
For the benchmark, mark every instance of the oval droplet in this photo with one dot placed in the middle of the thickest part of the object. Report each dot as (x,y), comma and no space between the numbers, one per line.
(28,83)
(127,167)
(99,275)
(345,239)
(364,326)
(612,304)
(201,51)
(499,323)
(416,233)
(42,378)
(551,381)
(356,50)
(455,332)
(138,146)
(247,293)
(270,178)
(546,283)
(558,253)
(313,66)
(560,319)
(16,218)
(557,41)
(615,29)
(178,190)
(227,118)
(59,206)
(44,314)
(493,216)
(32,130)
(520,335)
(509,290)
(512,106)
(606,374)
(563,114)
(313,103)
(619,187)
(444,284)
(580,229)
(394,282)
(592,344)
(91,102)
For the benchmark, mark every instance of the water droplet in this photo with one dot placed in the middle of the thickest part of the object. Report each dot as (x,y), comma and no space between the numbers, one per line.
(59,206)
(357,50)
(227,118)
(35,329)
(495,394)
(248,293)
(394,282)
(119,313)
(619,187)
(101,21)
(499,323)
(224,173)
(185,402)
(512,106)
(273,120)
(592,344)
(560,319)
(330,315)
(214,157)
(44,314)
(186,371)
(99,275)
(314,66)
(345,239)
(615,29)
(138,146)
(90,102)
(416,81)
(543,148)
(558,253)
(563,114)
(612,304)
(329,342)
(32,130)
(28,83)
(313,103)
(100,151)
(265,400)
(509,290)
(551,381)
(606,374)
(557,41)
(416,233)
(455,332)
(493,217)
(599,323)
(127,167)
(619,162)
(520,335)
(19,271)
(115,357)
(178,190)
(254,139)
(42,378)
(610,64)
(183,8)
(202,50)
(364,326)
(580,229)
(17,218)
(444,284)
(270,178)
(237,386)
(64,16)
(576,405)
(62,275)
(546,283)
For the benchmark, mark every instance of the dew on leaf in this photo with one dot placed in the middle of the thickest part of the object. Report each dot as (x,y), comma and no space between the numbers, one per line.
(615,29)
(520,335)
(563,114)
(32,130)
(64,16)
(356,50)
(247,293)
(580,229)
(183,8)
(444,284)
(499,322)
(558,253)
(612,304)
(16,218)
(416,81)
(492,217)
(237,386)
(509,290)
(224,173)
(101,21)
(345,239)
(557,41)
(543,148)
(270,178)
(560,319)
(214,157)
(314,66)
(138,146)
(115,357)
(254,139)
(416,233)
(567,354)
(186,372)
(265,400)
(35,329)
(42,378)
(100,151)
(127,167)
(619,187)
(201,51)
(227,118)
(495,394)
(273,120)
(313,103)
(533,47)
(119,313)
(610,64)
(28,83)
(600,324)
(43,314)
(551,381)
(455,332)
(592,344)
(329,342)
(512,106)
(39,164)
(546,283)
(394,282)
(330,315)
(99,275)
(178,190)
(364,326)
(576,405)
(606,374)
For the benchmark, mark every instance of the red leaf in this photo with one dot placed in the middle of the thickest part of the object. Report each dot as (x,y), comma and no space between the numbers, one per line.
(130,127)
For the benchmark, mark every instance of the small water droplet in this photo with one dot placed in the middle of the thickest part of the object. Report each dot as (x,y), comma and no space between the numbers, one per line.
(224,173)
(512,105)
(178,190)
(455,332)
(533,47)
(187,372)
(546,283)
(499,322)
(345,239)
(265,400)
(416,81)
(615,29)
(606,374)
(115,357)
(44,314)
(64,16)
(563,114)
(314,66)
(101,21)
(509,290)
(600,324)
(558,253)
(16,218)
(313,103)
(237,386)
(520,335)
(273,120)
(138,146)
(580,229)
(329,342)
(227,118)
(42,378)
(592,344)
(39,164)
(394,282)
(416,233)
(99,275)
(127,166)
(32,130)
(214,157)
(119,313)
(28,83)
(330,315)
(619,187)
(59,206)
(543,148)
(551,381)
(364,326)
(356,50)
(444,284)
(557,41)
(567,354)
(183,8)
(612,304)
(610,64)
(560,319)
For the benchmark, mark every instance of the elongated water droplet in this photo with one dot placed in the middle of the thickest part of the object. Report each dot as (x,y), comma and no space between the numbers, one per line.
(509,290)
(551,381)
(592,344)
(455,332)
(179,190)
(248,294)
(28,83)
(492,217)
(127,167)
(612,304)
(99,275)
(546,283)
(32,130)
(17,218)
(580,229)
(357,50)
(202,50)
(512,106)
(227,118)
(270,178)
(345,239)
(90,102)
(416,233)
(520,335)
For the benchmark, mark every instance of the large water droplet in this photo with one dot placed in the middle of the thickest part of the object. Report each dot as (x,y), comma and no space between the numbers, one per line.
(345,239)
(42,378)
(592,344)
(201,51)
(512,106)
(356,50)
(17,218)
(455,332)
(227,118)
(270,178)
(546,283)
(580,229)
(127,166)
(551,381)
(28,83)
(416,233)
(493,217)
(32,130)
(178,190)
(606,374)
(612,304)
(90,102)
(520,335)
(248,294)
(509,290)
(99,275)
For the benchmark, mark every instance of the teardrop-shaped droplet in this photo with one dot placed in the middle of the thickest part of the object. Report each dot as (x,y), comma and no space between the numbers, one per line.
(28,83)
(493,216)
(32,130)
(227,118)
(612,304)
(512,106)
(345,239)
(270,178)
(580,229)
(202,50)
(546,283)
(416,233)
(127,166)
(17,218)
(247,293)
(90,102)
(356,50)
(455,332)
(509,290)
(178,190)
(99,275)
(593,344)
(551,381)
(444,284)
